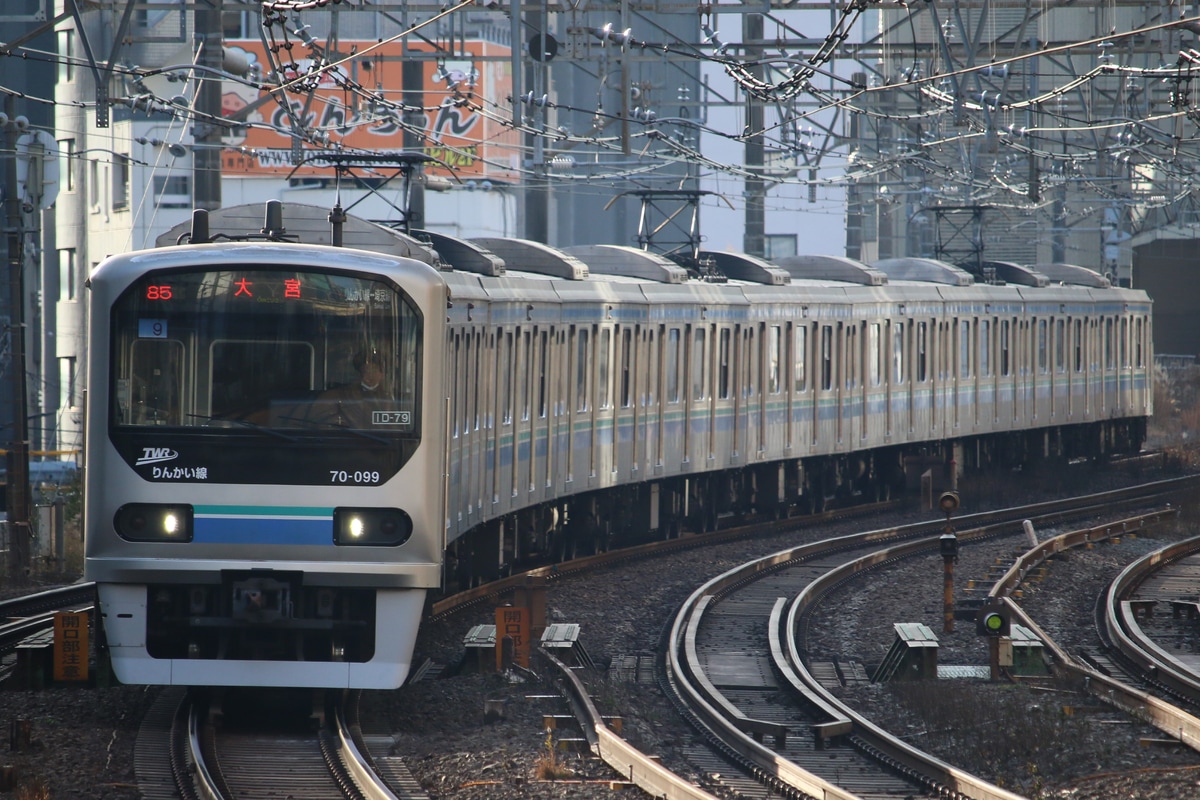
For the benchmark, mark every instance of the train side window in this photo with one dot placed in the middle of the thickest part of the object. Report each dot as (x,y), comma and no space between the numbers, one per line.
(671,367)
(723,364)
(700,365)
(1078,345)
(1042,346)
(749,378)
(826,357)
(504,373)
(1138,355)
(1108,344)
(626,367)
(898,353)
(851,356)
(543,363)
(471,372)
(874,355)
(524,369)
(604,357)
(456,400)
(922,352)
(1123,343)
(774,345)
(583,360)
(652,373)
(985,347)
(964,348)
(800,358)
(1003,335)
(1060,345)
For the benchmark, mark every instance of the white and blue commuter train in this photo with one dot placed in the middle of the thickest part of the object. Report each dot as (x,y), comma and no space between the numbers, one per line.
(257,515)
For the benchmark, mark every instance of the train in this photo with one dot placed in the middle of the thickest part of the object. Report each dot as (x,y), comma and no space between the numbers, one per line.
(260,512)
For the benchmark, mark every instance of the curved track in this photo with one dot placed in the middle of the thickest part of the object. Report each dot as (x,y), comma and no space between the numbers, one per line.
(732,650)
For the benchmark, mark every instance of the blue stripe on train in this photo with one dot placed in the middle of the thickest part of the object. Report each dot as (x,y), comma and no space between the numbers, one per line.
(228,529)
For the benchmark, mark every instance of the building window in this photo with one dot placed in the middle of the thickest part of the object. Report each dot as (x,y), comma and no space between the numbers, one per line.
(66,273)
(66,383)
(66,56)
(94,184)
(66,152)
(120,184)
(173,191)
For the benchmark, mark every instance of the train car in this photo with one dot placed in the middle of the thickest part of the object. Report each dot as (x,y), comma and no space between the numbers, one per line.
(254,515)
(249,524)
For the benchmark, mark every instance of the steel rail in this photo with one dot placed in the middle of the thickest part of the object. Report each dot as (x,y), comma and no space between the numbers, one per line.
(733,730)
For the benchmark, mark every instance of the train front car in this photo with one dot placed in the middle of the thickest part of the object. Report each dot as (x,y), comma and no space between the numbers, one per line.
(265,476)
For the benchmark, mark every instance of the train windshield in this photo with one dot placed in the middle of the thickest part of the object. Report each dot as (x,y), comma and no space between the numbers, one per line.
(302,356)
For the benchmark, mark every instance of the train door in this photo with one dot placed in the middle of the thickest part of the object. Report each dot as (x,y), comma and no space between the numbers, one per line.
(605,416)
(771,409)
(825,398)
(583,447)
(570,402)
(700,353)
(669,390)
(849,386)
(873,378)
(487,429)
(648,400)
(803,408)
(723,380)
(677,409)
(631,368)
(502,397)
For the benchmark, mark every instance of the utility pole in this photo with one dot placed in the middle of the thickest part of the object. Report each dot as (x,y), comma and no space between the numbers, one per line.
(754,239)
(412,77)
(17,459)
(206,156)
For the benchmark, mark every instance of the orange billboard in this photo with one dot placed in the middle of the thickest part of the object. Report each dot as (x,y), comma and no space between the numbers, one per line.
(464,102)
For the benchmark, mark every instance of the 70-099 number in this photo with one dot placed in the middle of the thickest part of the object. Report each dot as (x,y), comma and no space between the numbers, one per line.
(344,476)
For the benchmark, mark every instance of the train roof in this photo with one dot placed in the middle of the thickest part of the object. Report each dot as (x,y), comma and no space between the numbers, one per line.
(514,266)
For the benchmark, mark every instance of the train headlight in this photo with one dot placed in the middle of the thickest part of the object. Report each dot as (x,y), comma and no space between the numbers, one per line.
(154,522)
(372,527)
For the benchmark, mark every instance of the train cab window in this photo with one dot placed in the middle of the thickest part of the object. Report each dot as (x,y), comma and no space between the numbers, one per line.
(800,358)
(671,366)
(155,387)
(1042,347)
(700,365)
(774,345)
(224,359)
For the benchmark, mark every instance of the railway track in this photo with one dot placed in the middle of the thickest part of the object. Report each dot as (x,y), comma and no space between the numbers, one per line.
(733,653)
(184,751)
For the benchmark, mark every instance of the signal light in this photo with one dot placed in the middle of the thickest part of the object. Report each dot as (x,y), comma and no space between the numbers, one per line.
(993,620)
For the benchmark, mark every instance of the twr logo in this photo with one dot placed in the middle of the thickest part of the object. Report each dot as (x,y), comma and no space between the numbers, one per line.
(156,455)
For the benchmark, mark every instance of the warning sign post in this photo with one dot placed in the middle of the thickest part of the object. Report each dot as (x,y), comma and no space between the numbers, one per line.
(70,646)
